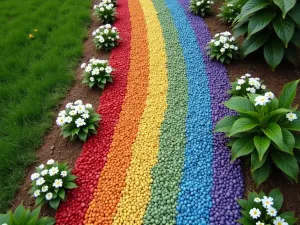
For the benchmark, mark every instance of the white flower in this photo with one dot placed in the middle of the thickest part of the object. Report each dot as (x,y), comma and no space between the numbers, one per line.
(255,213)
(263,100)
(257,200)
(42,166)
(64,173)
(229,5)
(80,109)
(253,82)
(259,223)
(53,171)
(240,81)
(44,172)
(222,50)
(223,39)
(232,39)
(238,87)
(101,9)
(217,35)
(106,31)
(117,37)
(58,183)
(272,212)
(44,188)
(50,162)
(212,41)
(37,193)
(217,43)
(108,26)
(62,113)
(236,48)
(80,122)
(270,95)
(248,75)
(101,68)
(73,112)
(252,90)
(78,102)
(101,39)
(85,116)
(226,33)
(231,46)
(108,69)
(83,65)
(92,79)
(279,221)
(263,87)
(35,176)
(49,196)
(226,46)
(68,119)
(267,201)
(40,181)
(69,105)
(198,3)
(88,69)
(95,71)
(60,121)
(88,106)
(291,116)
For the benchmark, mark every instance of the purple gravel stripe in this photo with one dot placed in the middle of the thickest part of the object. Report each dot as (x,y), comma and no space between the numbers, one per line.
(228,178)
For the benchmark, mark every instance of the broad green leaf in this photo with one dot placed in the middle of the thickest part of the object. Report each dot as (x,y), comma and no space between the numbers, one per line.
(70,185)
(290,53)
(273,131)
(254,42)
(288,94)
(286,163)
(288,141)
(245,221)
(54,203)
(252,6)
(297,141)
(230,142)
(273,52)
(243,203)
(242,125)
(277,198)
(284,29)
(46,221)
(18,212)
(82,136)
(262,173)
(296,36)
(285,5)
(225,124)
(262,144)
(240,104)
(289,217)
(294,13)
(242,146)
(259,21)
(61,193)
(241,30)
(255,162)
(36,212)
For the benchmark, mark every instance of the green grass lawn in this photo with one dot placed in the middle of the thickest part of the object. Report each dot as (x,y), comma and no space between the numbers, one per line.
(34,75)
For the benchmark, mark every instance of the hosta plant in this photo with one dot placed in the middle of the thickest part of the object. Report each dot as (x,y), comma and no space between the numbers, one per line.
(106,37)
(247,84)
(78,120)
(270,25)
(229,11)
(105,12)
(200,7)
(262,209)
(265,130)
(50,182)
(223,47)
(97,72)
(22,216)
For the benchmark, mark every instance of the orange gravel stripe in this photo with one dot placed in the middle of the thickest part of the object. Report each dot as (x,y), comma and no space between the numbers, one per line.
(112,178)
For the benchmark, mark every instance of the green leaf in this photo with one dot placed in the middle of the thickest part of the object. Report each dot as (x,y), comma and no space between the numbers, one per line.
(254,42)
(245,221)
(288,141)
(241,147)
(262,145)
(71,177)
(273,131)
(277,198)
(36,212)
(273,52)
(286,163)
(297,141)
(294,13)
(285,5)
(289,217)
(259,21)
(240,104)
(18,212)
(243,203)
(230,143)
(61,193)
(288,94)
(225,124)
(46,221)
(82,136)
(256,162)
(241,30)
(70,185)
(54,203)
(296,37)
(252,6)
(242,125)
(284,28)
(262,173)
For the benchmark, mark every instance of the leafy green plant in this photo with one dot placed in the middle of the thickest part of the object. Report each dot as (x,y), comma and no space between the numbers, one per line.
(262,209)
(200,7)
(97,72)
(265,128)
(106,37)
(229,11)
(247,84)
(105,12)
(271,25)
(78,120)
(22,216)
(223,48)
(50,182)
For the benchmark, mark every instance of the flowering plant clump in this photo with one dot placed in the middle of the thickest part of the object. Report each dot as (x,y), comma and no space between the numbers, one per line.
(262,209)
(50,181)
(78,120)
(265,129)
(247,84)
(105,12)
(229,12)
(97,72)
(223,47)
(106,37)
(200,7)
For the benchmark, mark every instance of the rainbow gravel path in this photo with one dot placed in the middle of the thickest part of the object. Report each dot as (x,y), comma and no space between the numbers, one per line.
(155,159)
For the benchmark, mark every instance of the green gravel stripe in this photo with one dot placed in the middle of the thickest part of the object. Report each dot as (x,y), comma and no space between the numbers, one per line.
(166,174)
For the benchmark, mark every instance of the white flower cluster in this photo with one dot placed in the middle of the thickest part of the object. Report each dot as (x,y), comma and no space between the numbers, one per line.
(104,5)
(199,3)
(262,100)
(96,67)
(224,41)
(75,112)
(253,84)
(106,33)
(40,180)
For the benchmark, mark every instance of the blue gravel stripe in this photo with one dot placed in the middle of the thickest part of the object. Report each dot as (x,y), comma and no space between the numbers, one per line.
(194,201)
